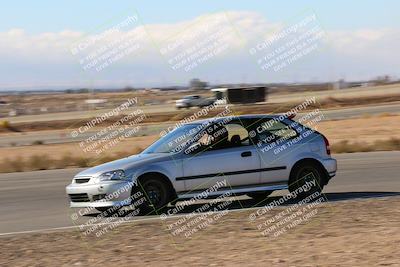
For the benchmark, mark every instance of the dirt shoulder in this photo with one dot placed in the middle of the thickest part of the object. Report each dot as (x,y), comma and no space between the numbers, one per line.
(348,233)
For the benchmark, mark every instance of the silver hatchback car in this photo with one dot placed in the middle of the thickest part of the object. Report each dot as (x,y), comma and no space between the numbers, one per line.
(251,154)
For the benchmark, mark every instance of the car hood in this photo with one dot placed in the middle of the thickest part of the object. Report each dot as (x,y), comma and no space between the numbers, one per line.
(125,163)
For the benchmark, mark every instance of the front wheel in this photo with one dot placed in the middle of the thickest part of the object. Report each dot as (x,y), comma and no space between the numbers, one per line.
(306,179)
(156,195)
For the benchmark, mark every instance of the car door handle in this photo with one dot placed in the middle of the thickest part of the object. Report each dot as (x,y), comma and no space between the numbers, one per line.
(246,154)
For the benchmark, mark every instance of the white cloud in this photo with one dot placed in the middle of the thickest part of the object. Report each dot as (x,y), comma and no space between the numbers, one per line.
(52,50)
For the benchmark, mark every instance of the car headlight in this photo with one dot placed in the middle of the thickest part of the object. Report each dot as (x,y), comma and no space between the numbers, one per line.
(113,175)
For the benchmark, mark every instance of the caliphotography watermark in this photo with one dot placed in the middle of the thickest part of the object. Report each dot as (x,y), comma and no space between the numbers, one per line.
(109,210)
(110,128)
(281,132)
(287,212)
(289,45)
(198,114)
(188,136)
(102,49)
(203,216)
(208,38)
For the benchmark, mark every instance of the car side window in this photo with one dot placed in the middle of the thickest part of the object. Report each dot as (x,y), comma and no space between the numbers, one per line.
(229,135)
(271,131)
(222,136)
(237,135)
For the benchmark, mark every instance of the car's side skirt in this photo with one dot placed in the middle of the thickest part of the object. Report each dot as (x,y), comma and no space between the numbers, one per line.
(210,175)
(281,185)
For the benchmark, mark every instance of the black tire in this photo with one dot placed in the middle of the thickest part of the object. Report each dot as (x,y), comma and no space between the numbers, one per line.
(259,196)
(157,194)
(305,173)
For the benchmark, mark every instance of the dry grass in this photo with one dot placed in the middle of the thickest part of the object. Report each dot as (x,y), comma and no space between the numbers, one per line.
(362,130)
(345,146)
(60,156)
(44,162)
(39,162)
(15,165)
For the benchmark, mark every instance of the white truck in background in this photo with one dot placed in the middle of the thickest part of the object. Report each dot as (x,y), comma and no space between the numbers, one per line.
(193,101)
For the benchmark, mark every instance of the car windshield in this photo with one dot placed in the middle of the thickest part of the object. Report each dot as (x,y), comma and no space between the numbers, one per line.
(176,140)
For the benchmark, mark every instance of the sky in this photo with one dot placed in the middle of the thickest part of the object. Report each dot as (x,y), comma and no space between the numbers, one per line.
(62,44)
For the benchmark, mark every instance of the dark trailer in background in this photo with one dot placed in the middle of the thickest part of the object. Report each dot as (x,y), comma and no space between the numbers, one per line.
(241,95)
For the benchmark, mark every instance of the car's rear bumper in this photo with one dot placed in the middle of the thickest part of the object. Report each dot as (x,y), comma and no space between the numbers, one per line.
(99,195)
(330,165)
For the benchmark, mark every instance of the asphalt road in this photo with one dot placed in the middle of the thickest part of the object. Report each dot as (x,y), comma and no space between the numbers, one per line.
(64,136)
(32,201)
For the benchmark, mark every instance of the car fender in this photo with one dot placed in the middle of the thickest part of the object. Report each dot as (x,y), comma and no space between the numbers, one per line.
(168,169)
(304,155)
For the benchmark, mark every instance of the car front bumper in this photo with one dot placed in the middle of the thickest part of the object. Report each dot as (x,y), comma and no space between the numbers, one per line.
(106,194)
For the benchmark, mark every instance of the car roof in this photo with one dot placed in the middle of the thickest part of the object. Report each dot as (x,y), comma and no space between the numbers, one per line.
(239,117)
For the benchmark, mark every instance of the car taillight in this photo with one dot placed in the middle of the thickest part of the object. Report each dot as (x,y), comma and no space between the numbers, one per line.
(328,149)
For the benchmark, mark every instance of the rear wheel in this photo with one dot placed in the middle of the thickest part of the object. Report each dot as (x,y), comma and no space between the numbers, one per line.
(306,179)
